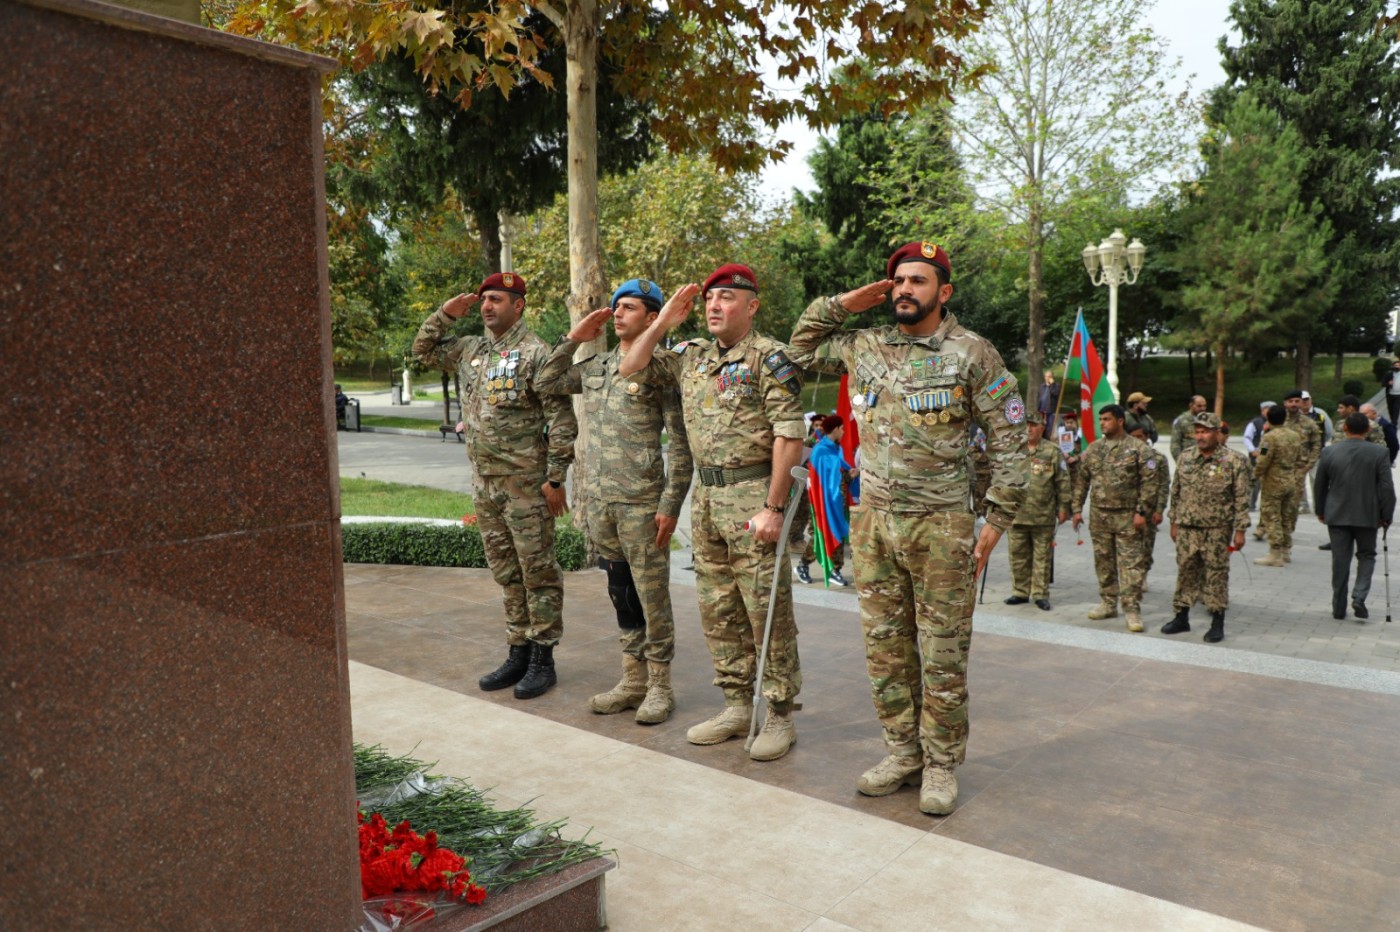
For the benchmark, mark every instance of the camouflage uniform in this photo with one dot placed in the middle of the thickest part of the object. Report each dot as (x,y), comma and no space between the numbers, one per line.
(912,534)
(1374,435)
(1032,534)
(1123,476)
(1210,502)
(516,438)
(1164,486)
(1312,449)
(1183,434)
(627,484)
(981,474)
(1283,457)
(735,403)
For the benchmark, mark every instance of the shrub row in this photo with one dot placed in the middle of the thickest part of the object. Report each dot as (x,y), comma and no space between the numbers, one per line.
(411,544)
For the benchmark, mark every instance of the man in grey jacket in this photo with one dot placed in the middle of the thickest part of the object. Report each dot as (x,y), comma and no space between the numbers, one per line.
(1353,494)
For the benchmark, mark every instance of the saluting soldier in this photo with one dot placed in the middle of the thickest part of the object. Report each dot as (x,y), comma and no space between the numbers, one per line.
(740,395)
(921,383)
(1283,457)
(521,443)
(1122,473)
(1210,513)
(1032,537)
(631,499)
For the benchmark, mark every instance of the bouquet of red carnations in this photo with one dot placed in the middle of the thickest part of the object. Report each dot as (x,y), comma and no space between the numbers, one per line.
(406,877)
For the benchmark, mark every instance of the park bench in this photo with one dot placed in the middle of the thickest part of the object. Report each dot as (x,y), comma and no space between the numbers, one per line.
(446,429)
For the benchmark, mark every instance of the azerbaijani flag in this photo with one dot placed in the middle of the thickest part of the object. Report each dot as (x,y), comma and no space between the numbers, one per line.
(1094,390)
(850,437)
(829,525)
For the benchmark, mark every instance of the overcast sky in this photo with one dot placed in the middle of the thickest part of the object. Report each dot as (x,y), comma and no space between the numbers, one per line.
(1191,29)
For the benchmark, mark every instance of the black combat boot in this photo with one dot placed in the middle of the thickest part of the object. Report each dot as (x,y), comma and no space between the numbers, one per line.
(1217,628)
(540,676)
(510,672)
(1179,623)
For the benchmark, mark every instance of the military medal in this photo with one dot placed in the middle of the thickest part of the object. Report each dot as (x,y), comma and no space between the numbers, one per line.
(944,416)
(512,395)
(917,420)
(857,400)
(475,363)
(510,383)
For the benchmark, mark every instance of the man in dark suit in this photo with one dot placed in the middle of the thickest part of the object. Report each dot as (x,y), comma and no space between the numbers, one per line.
(1353,494)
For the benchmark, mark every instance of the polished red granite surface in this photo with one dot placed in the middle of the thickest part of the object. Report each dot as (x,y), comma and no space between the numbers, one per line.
(173,663)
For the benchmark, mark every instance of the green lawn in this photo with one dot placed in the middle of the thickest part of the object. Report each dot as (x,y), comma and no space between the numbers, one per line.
(413,423)
(370,497)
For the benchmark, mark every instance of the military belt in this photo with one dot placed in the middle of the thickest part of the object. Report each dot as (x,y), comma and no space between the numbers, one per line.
(712,476)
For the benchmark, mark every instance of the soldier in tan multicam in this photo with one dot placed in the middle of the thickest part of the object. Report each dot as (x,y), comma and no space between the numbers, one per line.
(740,397)
(1307,428)
(1283,456)
(521,444)
(631,498)
(1122,473)
(1032,537)
(920,383)
(1210,513)
(1350,404)
(1164,486)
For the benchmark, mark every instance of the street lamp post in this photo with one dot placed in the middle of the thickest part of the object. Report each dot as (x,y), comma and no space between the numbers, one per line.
(1113,263)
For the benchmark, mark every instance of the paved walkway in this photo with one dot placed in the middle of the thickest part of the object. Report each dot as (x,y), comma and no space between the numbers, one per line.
(1281,612)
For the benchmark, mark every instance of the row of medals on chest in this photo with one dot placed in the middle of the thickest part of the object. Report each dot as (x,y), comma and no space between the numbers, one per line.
(499,379)
(734,380)
(925,408)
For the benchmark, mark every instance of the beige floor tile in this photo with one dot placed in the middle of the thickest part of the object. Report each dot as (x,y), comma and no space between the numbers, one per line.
(944,884)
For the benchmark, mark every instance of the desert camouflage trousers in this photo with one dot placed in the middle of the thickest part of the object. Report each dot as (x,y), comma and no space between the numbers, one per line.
(914,579)
(1119,556)
(627,532)
(1278,514)
(517,532)
(1029,548)
(733,576)
(1203,567)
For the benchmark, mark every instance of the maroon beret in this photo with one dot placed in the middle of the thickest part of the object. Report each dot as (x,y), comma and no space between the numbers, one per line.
(932,253)
(503,281)
(831,422)
(732,275)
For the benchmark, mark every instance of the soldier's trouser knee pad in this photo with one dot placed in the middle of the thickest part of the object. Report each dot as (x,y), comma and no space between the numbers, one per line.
(623,592)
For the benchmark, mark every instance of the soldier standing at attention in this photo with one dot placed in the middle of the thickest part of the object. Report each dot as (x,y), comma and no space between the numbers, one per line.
(741,399)
(1210,513)
(1032,534)
(1307,428)
(521,444)
(1154,521)
(631,500)
(1122,473)
(1282,459)
(1184,427)
(919,384)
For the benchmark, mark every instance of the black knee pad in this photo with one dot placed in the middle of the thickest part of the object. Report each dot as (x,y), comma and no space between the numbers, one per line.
(623,592)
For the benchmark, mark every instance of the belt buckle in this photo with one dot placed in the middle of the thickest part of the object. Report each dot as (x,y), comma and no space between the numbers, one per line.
(712,475)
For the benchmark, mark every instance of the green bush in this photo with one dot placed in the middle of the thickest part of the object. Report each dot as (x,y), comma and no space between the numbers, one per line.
(439,545)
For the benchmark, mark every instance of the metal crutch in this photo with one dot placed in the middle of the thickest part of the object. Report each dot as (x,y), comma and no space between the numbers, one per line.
(799,487)
(1385,558)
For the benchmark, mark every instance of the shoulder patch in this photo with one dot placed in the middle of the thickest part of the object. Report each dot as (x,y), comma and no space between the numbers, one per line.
(1151,464)
(1015,410)
(681,347)
(998,388)
(784,371)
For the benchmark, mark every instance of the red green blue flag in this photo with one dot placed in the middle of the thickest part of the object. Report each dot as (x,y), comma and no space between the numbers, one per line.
(1094,388)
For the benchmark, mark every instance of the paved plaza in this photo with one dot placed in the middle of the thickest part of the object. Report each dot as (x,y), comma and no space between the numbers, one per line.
(1113,781)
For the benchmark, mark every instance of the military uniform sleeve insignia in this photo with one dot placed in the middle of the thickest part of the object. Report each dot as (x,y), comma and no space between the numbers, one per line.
(784,371)
(998,388)
(1150,463)
(1015,411)
(681,347)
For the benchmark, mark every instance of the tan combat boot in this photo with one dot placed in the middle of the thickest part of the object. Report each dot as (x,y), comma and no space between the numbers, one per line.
(1275,558)
(940,790)
(627,694)
(1106,609)
(733,721)
(1134,621)
(660,701)
(777,736)
(1287,554)
(890,774)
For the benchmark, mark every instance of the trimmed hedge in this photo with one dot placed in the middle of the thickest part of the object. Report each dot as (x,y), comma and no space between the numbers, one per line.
(411,544)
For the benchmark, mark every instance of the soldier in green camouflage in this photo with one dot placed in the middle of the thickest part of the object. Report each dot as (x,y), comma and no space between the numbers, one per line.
(1123,475)
(1307,428)
(1210,513)
(521,443)
(1154,522)
(1350,404)
(631,500)
(1030,541)
(1282,458)
(740,397)
(1184,427)
(919,385)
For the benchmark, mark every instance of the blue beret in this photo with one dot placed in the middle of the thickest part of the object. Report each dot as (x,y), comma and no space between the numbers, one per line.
(648,291)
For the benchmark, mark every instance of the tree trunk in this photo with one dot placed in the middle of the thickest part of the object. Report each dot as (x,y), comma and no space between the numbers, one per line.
(1337,367)
(488,227)
(1035,330)
(1191,369)
(1220,381)
(587,282)
(1302,365)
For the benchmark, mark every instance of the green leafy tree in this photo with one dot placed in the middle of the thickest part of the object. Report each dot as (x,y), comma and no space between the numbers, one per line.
(1255,253)
(1079,86)
(1328,71)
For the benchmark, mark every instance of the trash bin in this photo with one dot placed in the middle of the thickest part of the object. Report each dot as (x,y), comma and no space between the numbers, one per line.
(396,397)
(352,415)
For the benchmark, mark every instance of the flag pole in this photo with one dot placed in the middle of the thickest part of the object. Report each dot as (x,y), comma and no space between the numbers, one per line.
(1064,379)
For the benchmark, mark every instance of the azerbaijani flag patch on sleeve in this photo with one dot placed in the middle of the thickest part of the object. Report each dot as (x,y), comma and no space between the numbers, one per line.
(1000,387)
